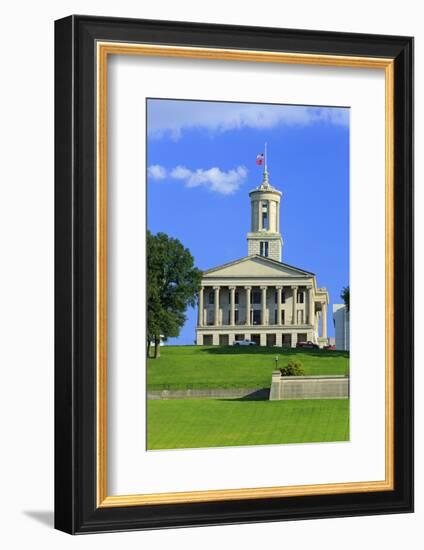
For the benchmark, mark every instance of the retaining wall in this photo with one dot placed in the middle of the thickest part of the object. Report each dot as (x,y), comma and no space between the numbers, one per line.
(236,393)
(308,387)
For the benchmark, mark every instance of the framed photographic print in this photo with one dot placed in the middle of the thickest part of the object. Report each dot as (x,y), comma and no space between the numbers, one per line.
(233,271)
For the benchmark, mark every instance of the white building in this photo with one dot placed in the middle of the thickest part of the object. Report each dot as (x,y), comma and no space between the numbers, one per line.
(259,297)
(341,326)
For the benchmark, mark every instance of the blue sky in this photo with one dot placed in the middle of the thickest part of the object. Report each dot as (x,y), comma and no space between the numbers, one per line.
(201,165)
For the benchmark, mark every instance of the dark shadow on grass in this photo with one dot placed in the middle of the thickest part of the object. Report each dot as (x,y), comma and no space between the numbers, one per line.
(258,395)
(261,350)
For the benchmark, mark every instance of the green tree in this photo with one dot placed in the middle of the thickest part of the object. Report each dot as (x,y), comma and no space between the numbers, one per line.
(172,285)
(345,296)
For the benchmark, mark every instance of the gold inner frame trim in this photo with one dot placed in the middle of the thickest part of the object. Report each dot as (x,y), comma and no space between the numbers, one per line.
(104,49)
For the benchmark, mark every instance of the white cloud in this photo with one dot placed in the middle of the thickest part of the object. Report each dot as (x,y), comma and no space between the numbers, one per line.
(181,173)
(172,117)
(213,179)
(157,172)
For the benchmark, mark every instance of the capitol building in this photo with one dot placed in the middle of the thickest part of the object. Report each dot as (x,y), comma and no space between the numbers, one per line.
(259,297)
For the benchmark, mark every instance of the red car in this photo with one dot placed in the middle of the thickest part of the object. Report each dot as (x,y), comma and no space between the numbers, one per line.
(307,345)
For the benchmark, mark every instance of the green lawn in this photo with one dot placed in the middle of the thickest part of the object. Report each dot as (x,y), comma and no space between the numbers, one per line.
(191,423)
(234,367)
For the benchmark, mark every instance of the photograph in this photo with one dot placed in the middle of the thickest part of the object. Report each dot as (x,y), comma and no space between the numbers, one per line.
(211,275)
(248,292)
(220,191)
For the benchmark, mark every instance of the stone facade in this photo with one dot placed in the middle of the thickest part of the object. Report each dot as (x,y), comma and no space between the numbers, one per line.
(254,246)
(259,297)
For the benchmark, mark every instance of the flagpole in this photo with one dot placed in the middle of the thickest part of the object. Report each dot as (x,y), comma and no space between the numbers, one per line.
(266,157)
(266,164)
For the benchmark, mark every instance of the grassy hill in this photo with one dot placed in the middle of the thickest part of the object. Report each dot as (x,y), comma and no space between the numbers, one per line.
(199,367)
(190,423)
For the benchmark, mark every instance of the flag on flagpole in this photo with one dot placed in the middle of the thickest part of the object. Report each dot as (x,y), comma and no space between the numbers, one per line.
(260,159)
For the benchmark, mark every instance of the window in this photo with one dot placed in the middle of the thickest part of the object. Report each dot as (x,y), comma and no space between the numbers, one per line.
(256,338)
(256,317)
(265,217)
(300,297)
(223,340)
(211,297)
(263,250)
(283,317)
(256,297)
(276,317)
(271,340)
(236,316)
(236,298)
(286,339)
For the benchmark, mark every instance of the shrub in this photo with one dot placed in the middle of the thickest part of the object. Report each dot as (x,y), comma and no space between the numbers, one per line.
(293,368)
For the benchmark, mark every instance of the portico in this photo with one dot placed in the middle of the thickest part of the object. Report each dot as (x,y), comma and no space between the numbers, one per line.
(278,303)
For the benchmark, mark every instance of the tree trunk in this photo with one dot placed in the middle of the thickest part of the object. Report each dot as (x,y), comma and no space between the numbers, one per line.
(148,347)
(157,347)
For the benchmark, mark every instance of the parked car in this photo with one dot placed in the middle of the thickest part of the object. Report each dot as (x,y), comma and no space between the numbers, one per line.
(244,343)
(307,345)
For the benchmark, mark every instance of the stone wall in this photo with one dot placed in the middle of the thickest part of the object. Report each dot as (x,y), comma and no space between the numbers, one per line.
(229,393)
(308,387)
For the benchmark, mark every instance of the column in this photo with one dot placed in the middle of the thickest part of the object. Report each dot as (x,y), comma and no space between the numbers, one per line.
(200,318)
(311,306)
(232,305)
(216,301)
(324,320)
(272,215)
(294,339)
(263,304)
(294,288)
(278,217)
(279,291)
(277,230)
(248,291)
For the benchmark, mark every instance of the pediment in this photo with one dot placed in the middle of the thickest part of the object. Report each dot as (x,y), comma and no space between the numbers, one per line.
(256,266)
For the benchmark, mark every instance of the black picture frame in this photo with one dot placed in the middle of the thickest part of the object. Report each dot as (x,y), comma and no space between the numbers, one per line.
(76,510)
